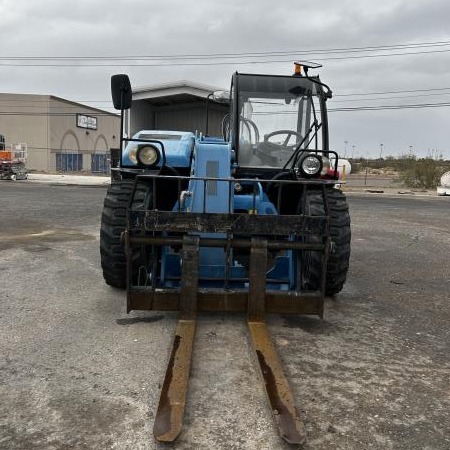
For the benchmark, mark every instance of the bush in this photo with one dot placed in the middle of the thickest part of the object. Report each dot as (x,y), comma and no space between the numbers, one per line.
(422,173)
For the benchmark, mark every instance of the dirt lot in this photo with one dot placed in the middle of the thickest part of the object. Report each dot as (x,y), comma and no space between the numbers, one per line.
(78,372)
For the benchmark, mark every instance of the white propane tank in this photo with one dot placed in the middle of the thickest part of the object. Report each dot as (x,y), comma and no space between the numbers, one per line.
(344,167)
(444,188)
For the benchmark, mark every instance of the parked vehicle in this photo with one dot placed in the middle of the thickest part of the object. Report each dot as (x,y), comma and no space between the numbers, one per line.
(13,161)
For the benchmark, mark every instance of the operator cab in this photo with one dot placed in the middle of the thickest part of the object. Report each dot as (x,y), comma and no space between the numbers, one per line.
(278,120)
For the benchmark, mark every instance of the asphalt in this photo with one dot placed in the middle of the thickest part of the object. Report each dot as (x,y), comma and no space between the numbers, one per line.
(78,372)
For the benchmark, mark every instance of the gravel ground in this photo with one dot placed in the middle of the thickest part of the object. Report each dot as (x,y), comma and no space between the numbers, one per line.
(78,372)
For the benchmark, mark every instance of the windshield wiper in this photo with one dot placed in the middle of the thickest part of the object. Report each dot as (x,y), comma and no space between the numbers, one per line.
(315,125)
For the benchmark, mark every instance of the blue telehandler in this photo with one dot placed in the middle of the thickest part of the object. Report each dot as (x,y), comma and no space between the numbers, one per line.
(252,222)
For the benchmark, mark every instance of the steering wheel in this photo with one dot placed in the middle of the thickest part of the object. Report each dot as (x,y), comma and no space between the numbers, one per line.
(284,145)
(276,155)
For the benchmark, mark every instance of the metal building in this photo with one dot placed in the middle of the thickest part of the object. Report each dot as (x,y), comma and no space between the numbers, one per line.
(60,135)
(180,106)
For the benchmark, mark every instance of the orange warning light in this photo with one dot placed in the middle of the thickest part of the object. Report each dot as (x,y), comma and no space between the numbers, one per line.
(297,69)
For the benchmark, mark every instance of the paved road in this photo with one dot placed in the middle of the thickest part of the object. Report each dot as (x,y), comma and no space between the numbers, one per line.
(77,372)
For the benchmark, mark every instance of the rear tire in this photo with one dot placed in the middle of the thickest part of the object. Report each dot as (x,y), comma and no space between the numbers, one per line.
(113,223)
(339,257)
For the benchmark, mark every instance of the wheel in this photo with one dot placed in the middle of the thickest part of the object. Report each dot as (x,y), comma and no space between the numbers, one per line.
(285,144)
(113,223)
(278,154)
(339,258)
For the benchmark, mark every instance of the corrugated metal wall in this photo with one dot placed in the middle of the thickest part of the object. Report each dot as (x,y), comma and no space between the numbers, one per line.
(183,117)
(142,116)
(191,117)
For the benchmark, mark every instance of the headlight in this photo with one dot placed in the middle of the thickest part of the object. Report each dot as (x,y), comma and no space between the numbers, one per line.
(310,166)
(148,155)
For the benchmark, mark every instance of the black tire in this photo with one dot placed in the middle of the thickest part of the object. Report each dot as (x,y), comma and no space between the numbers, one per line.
(339,258)
(113,223)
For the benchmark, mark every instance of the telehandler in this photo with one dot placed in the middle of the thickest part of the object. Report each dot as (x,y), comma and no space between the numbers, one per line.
(250,222)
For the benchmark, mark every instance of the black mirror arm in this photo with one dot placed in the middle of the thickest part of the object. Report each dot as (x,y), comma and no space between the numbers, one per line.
(328,93)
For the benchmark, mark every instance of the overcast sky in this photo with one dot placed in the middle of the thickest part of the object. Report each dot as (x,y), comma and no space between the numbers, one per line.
(139,28)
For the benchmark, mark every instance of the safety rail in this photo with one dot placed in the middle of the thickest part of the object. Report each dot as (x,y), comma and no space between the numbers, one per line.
(211,183)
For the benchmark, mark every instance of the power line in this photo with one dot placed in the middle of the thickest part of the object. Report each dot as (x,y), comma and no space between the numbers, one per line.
(430,91)
(26,100)
(346,109)
(392,92)
(354,94)
(95,108)
(222,63)
(391,107)
(29,113)
(81,108)
(231,55)
(390,98)
(363,108)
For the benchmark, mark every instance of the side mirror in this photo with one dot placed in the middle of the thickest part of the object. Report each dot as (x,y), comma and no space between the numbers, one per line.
(121,91)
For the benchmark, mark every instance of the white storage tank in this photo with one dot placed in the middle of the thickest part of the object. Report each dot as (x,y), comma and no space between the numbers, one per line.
(444,188)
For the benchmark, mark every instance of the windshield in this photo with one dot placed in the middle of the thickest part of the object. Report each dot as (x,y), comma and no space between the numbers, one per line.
(276,116)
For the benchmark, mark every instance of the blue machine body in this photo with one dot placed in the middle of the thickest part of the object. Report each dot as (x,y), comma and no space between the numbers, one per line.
(178,147)
(206,193)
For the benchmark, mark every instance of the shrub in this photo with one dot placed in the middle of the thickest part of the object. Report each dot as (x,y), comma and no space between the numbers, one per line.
(422,173)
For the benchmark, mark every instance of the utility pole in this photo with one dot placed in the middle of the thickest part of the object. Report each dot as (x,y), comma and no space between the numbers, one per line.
(367,169)
(345,148)
(353,151)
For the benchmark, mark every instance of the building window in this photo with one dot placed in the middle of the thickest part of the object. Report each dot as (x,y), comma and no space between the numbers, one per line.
(99,163)
(69,162)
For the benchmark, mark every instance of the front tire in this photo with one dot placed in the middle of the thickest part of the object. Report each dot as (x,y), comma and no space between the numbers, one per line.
(113,223)
(340,232)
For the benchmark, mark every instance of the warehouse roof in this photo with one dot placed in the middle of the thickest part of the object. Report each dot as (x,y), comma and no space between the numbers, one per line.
(174,92)
(38,100)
